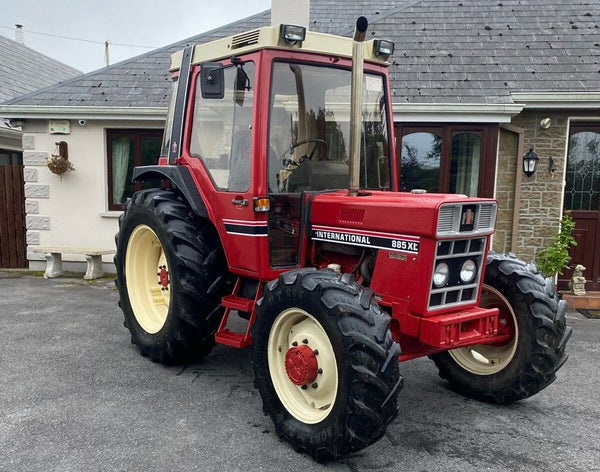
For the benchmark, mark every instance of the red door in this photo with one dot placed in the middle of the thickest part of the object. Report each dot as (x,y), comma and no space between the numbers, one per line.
(582,201)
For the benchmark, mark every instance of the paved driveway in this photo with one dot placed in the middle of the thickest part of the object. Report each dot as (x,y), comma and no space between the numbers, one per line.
(75,395)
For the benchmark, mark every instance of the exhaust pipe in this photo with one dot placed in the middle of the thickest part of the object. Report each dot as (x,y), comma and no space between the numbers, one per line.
(356,103)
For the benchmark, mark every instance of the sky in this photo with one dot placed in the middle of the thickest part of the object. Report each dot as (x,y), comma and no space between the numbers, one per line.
(124,23)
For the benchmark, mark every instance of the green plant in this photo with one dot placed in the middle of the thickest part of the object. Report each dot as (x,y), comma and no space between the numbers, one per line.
(555,257)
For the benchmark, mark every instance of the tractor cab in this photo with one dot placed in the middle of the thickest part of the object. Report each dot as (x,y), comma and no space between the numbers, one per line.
(268,126)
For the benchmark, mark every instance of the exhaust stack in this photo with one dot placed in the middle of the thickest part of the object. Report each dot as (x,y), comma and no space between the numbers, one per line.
(356,103)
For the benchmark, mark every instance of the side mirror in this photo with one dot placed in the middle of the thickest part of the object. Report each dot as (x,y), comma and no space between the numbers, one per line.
(212,82)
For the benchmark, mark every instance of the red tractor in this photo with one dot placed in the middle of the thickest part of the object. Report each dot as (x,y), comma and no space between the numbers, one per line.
(276,197)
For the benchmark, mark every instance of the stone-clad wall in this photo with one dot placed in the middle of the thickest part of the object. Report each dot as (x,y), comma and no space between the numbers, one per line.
(541,196)
(505,189)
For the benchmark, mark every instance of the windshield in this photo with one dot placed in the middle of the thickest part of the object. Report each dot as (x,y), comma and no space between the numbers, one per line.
(309,130)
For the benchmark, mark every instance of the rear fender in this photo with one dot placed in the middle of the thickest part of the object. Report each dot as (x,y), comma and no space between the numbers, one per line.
(181,179)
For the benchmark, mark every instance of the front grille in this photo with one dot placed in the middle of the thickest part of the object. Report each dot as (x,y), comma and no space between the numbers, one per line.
(455,253)
(466,219)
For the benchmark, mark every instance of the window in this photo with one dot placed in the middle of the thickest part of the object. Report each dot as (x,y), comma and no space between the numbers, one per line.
(309,130)
(222,130)
(582,186)
(448,158)
(126,150)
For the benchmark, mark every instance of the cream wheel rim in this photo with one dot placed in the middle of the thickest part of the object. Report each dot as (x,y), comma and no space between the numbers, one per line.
(147,278)
(489,359)
(310,403)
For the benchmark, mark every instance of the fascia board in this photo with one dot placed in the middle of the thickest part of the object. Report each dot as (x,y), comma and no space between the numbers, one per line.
(558,100)
(88,113)
(455,112)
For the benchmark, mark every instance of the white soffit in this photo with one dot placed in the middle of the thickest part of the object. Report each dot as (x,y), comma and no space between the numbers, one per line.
(455,112)
(572,100)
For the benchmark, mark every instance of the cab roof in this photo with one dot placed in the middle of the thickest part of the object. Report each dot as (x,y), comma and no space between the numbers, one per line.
(270,37)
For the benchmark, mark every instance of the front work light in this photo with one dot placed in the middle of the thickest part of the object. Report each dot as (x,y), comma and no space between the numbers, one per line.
(383,48)
(293,34)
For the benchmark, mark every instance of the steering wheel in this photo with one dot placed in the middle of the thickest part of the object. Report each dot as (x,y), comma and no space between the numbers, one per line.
(309,156)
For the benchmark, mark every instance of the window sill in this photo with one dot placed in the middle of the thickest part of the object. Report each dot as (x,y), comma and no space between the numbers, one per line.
(110,214)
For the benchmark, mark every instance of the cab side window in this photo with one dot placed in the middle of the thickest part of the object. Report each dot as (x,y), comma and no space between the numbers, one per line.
(222,130)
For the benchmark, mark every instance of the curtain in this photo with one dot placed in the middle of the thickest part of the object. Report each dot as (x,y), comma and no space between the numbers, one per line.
(120,165)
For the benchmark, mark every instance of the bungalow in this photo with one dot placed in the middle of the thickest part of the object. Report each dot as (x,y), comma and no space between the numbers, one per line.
(477,85)
(22,70)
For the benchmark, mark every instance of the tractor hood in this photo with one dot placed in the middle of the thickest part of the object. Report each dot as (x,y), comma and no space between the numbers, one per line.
(419,215)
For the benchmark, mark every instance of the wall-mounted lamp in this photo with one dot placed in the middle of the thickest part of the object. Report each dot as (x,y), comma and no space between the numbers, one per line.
(551,165)
(530,162)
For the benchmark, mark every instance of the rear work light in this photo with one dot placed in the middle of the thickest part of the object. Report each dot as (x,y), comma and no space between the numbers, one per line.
(293,34)
(383,48)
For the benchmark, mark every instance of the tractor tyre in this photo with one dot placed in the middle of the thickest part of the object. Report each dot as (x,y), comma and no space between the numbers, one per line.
(532,313)
(325,363)
(170,274)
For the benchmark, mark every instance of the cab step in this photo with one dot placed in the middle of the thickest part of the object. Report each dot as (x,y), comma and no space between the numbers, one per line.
(229,338)
(233,302)
(242,305)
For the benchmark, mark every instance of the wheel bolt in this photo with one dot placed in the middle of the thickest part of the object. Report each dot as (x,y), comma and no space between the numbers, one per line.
(305,341)
(315,385)
(320,371)
(316,352)
(294,344)
(304,387)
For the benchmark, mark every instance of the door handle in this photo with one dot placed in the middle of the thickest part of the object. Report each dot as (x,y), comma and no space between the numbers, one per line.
(239,202)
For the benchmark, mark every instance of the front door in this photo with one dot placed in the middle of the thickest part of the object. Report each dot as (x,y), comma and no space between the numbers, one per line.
(582,189)
(12,211)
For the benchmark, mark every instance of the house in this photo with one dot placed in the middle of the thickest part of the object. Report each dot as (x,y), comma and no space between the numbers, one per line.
(477,85)
(22,70)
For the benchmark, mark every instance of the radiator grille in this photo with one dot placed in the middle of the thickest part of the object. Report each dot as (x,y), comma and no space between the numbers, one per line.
(455,253)
(466,219)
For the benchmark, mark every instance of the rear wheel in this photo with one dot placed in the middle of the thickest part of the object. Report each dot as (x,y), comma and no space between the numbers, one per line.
(170,272)
(325,363)
(531,313)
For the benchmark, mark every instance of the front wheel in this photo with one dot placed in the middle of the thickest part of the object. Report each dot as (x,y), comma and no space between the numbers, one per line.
(531,313)
(325,363)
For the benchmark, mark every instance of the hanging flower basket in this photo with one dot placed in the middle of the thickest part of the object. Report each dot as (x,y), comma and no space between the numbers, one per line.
(59,165)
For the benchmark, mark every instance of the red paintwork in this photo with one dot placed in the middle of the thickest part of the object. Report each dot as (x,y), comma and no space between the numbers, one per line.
(401,283)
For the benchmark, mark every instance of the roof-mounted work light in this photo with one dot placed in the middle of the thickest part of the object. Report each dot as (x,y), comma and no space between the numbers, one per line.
(293,34)
(383,48)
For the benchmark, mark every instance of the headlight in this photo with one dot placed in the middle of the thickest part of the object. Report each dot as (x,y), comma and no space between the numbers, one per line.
(468,271)
(441,274)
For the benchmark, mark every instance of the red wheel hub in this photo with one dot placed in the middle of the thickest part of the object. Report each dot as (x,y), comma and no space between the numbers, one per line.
(301,365)
(163,276)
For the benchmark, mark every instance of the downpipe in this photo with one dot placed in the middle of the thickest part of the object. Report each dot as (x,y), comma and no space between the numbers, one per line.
(356,103)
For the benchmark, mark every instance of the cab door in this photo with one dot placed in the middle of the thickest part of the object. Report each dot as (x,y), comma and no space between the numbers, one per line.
(221,145)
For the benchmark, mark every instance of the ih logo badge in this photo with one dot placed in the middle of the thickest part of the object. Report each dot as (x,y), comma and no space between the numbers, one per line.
(467,220)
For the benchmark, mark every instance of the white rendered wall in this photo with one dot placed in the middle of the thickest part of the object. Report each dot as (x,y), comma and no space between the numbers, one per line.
(72,211)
